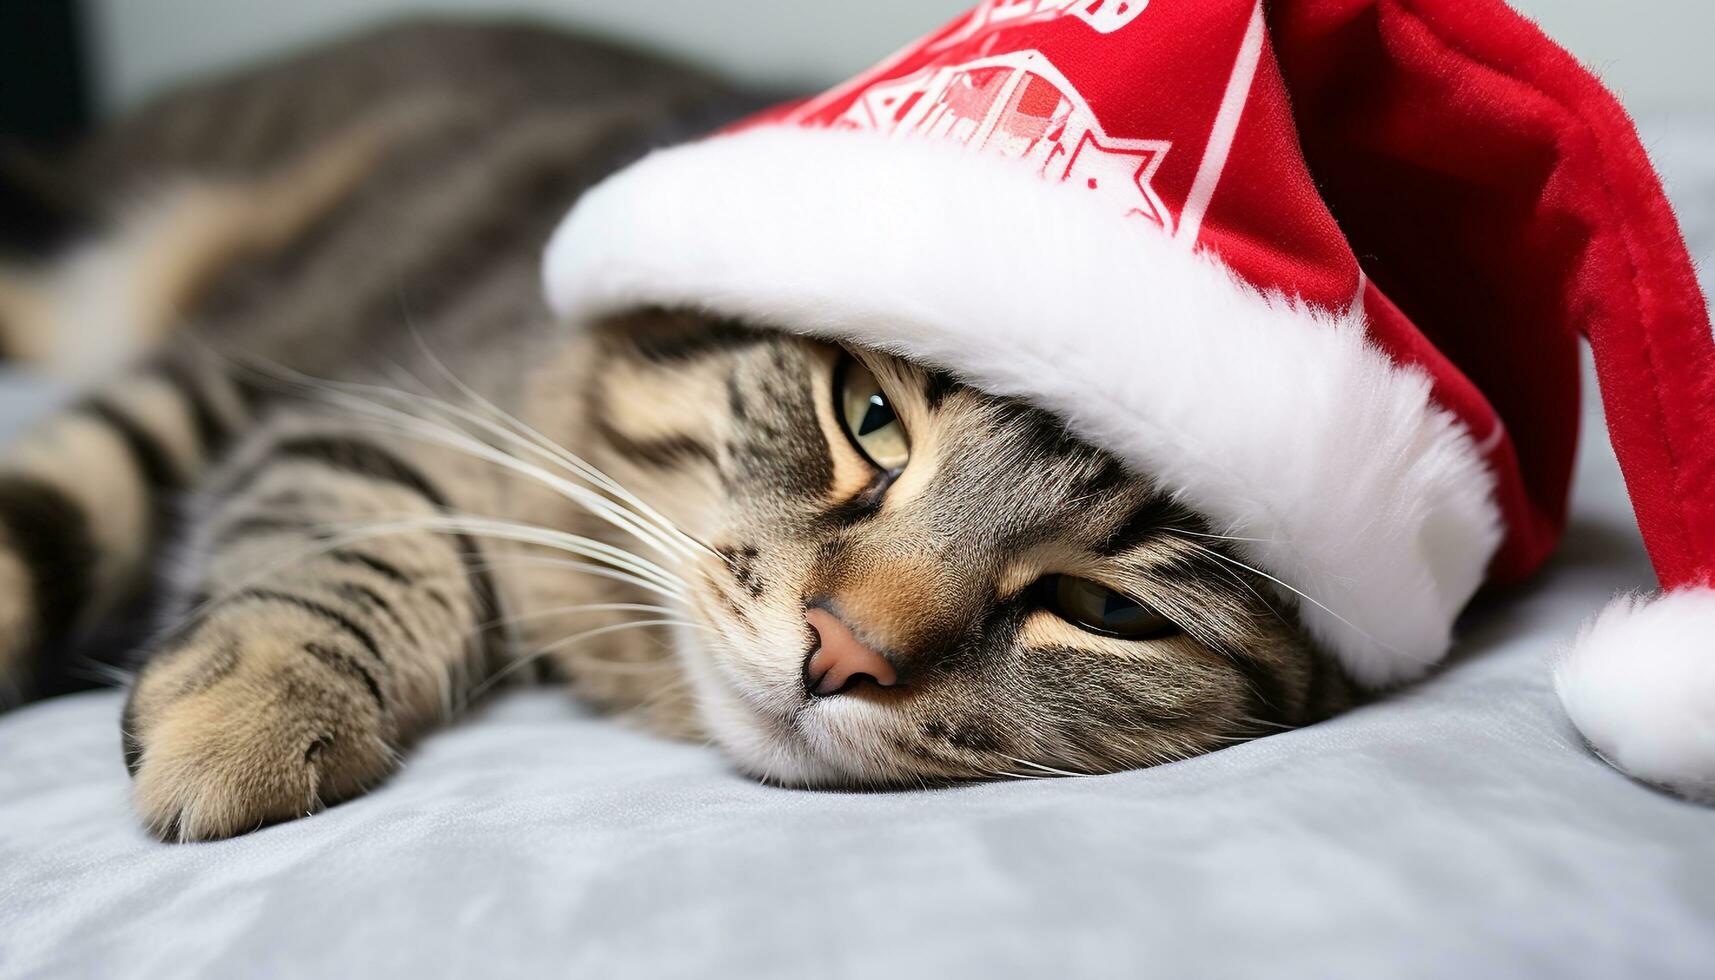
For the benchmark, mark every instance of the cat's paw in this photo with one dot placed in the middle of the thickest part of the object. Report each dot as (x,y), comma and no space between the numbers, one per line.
(224,735)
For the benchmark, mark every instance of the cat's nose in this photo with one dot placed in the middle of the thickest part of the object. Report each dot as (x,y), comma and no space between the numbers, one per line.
(841,658)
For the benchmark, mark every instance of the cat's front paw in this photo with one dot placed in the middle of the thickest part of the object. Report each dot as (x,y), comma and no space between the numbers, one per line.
(224,735)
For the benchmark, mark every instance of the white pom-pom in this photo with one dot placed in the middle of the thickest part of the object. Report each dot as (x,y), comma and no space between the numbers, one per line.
(1639,682)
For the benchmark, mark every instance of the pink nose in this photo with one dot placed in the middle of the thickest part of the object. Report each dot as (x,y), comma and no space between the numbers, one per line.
(841,658)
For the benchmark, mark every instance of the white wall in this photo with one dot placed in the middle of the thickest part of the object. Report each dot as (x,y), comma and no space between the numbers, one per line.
(1656,53)
(143,44)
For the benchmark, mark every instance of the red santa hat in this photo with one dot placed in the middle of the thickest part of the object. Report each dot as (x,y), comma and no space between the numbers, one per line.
(1318,266)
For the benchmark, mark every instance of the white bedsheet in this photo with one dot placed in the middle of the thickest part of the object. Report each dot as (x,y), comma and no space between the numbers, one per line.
(1457,828)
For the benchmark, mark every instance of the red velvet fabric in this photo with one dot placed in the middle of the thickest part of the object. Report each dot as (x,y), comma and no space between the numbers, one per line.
(1499,196)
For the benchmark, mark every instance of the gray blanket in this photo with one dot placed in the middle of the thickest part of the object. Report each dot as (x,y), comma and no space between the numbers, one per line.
(1456,828)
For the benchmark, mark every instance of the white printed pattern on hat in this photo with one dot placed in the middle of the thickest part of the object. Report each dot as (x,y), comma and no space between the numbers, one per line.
(1018,105)
(1105,16)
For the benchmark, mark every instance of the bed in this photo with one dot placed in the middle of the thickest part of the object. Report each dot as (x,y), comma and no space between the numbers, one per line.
(1455,828)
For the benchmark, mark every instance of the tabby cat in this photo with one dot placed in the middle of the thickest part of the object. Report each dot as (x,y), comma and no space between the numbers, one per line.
(347,474)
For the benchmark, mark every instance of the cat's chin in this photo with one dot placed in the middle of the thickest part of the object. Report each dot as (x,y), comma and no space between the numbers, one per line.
(823,743)
(766,746)
(777,733)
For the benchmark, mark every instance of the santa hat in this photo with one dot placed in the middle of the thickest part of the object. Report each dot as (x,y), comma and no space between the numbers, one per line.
(1318,266)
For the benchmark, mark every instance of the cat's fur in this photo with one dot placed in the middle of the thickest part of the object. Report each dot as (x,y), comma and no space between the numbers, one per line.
(352,562)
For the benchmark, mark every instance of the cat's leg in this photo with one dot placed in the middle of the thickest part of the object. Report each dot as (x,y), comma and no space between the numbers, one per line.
(313,650)
(131,287)
(82,496)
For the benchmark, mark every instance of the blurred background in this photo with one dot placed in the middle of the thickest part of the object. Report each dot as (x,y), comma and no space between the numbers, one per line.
(1653,52)
(66,63)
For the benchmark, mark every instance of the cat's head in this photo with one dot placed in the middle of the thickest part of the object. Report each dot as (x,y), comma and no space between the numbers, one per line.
(911,580)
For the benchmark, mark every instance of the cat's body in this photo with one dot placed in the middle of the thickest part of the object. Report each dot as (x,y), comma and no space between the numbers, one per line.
(353,561)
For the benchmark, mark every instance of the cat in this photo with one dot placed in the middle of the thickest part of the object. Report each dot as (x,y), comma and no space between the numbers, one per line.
(346,474)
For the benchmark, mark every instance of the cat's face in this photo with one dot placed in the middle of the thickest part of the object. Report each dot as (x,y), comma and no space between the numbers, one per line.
(999,597)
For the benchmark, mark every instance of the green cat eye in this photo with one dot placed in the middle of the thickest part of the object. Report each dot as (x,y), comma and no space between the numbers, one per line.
(869,418)
(1100,609)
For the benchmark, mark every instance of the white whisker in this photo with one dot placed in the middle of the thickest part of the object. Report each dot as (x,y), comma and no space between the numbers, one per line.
(1216,537)
(546,445)
(1302,595)
(502,530)
(518,433)
(1047,769)
(564,642)
(568,610)
(669,587)
(643,522)
(444,435)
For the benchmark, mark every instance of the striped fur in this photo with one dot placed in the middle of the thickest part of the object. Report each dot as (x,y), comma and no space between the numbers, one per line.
(338,565)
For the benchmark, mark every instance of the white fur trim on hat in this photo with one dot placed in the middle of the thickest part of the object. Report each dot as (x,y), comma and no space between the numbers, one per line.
(1329,465)
(1639,682)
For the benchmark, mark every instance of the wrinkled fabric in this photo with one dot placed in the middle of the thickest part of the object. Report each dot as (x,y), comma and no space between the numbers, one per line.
(1456,828)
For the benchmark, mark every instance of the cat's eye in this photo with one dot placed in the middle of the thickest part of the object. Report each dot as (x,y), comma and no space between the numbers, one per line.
(1100,609)
(868,417)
